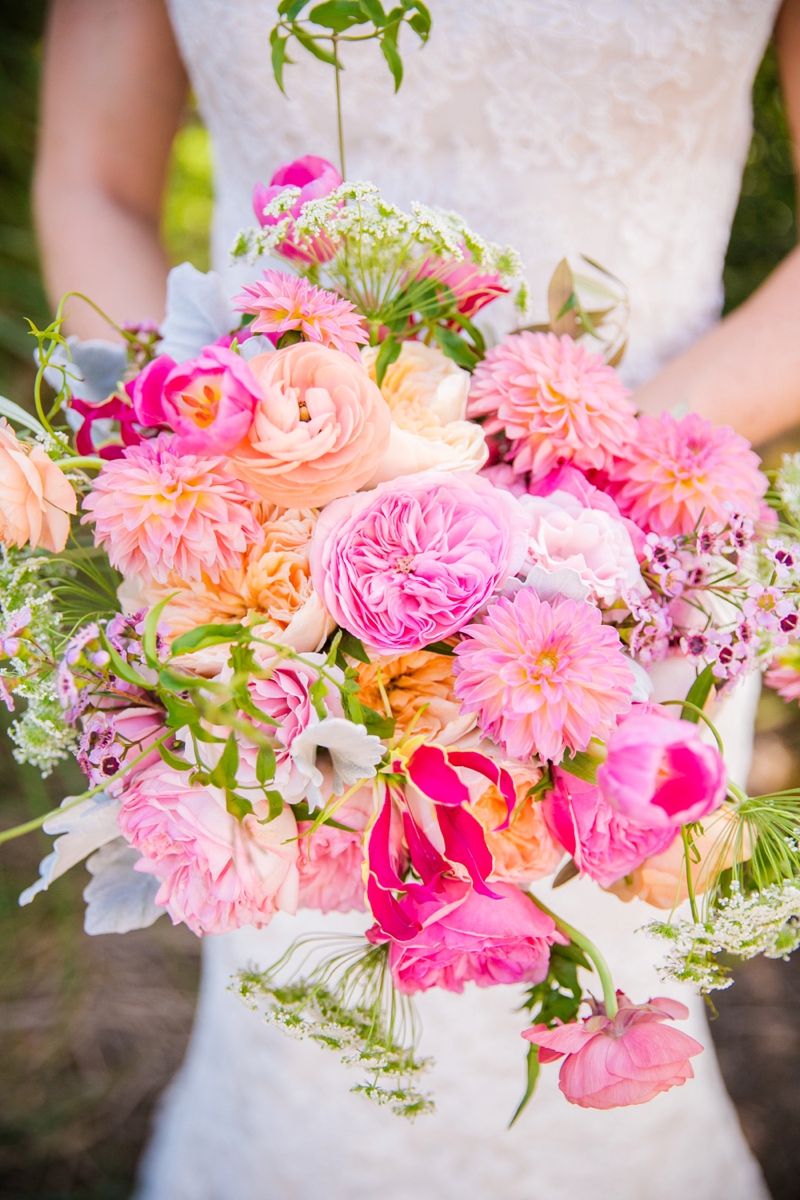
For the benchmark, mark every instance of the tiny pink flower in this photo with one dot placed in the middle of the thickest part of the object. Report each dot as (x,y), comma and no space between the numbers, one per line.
(627,1060)
(676,473)
(316,177)
(542,678)
(555,402)
(156,510)
(282,302)
(659,773)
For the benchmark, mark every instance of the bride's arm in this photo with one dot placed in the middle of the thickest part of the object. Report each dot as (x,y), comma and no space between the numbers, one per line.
(112,94)
(746,372)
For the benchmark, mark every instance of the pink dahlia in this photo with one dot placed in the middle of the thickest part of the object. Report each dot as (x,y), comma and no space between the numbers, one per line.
(157,511)
(676,472)
(543,678)
(555,402)
(282,302)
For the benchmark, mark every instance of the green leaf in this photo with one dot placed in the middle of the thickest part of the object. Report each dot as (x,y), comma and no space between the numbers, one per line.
(339,15)
(303,813)
(473,331)
(14,413)
(237,806)
(275,801)
(265,765)
(317,693)
(439,648)
(291,8)
(698,694)
(120,668)
(207,635)
(455,347)
(567,872)
(388,353)
(392,56)
(582,765)
(350,644)
(279,56)
(179,713)
(377,723)
(530,1085)
(421,23)
(290,338)
(172,760)
(149,637)
(312,47)
(374,10)
(224,773)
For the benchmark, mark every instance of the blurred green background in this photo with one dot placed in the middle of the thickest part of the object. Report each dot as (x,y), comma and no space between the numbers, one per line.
(92,1029)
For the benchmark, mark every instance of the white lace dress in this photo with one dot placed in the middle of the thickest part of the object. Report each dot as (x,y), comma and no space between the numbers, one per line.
(614,128)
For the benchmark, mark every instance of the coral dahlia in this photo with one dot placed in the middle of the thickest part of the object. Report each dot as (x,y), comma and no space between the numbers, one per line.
(555,401)
(542,678)
(676,472)
(157,511)
(282,302)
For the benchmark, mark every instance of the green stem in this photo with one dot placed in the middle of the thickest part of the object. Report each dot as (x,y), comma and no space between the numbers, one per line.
(339,123)
(689,882)
(87,460)
(696,709)
(7,835)
(600,964)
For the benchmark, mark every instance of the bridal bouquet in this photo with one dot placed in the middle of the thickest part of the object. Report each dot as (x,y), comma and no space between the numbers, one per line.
(339,609)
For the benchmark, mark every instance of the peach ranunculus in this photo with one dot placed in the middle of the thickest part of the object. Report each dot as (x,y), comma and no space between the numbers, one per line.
(427,394)
(273,580)
(661,880)
(319,431)
(36,497)
(412,681)
(525,850)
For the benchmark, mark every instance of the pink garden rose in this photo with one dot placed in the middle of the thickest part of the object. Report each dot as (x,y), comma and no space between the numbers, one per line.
(316,177)
(604,844)
(569,479)
(208,401)
(330,861)
(216,873)
(659,773)
(413,561)
(627,1060)
(467,937)
(319,429)
(36,497)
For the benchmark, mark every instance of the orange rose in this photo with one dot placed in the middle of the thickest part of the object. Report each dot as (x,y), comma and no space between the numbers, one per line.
(411,681)
(525,850)
(35,495)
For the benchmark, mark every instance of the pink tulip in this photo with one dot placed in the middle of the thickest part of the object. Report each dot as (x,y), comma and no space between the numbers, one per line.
(146,391)
(209,401)
(472,288)
(315,177)
(659,773)
(627,1060)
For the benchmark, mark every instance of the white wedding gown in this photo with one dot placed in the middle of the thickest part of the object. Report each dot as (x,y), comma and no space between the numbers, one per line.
(613,128)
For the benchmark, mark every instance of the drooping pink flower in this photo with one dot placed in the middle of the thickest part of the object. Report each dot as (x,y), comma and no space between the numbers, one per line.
(470,938)
(156,510)
(555,402)
(542,678)
(282,302)
(472,287)
(604,844)
(659,773)
(675,473)
(319,431)
(316,177)
(627,1060)
(208,401)
(36,497)
(412,561)
(216,873)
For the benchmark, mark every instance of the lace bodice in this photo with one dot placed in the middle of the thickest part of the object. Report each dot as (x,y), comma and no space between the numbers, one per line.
(613,128)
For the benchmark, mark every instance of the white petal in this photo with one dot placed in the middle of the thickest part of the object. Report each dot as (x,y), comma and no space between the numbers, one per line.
(85,827)
(549,585)
(197,312)
(354,752)
(643,687)
(257,344)
(119,898)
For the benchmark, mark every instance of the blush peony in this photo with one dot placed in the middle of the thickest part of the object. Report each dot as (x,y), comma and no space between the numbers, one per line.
(319,430)
(627,1060)
(675,472)
(554,401)
(411,562)
(36,497)
(156,510)
(543,678)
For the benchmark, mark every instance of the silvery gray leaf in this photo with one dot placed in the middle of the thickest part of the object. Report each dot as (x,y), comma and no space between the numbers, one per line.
(257,344)
(119,898)
(93,368)
(84,827)
(549,585)
(197,312)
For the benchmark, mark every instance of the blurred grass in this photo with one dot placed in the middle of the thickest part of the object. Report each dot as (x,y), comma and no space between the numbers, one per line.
(92,1028)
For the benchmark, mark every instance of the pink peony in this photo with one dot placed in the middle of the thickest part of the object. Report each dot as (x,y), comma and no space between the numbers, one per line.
(216,873)
(627,1060)
(659,773)
(331,860)
(282,302)
(470,938)
(542,678)
(315,177)
(413,561)
(472,287)
(675,473)
(156,510)
(554,401)
(208,400)
(319,431)
(36,497)
(570,479)
(604,844)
